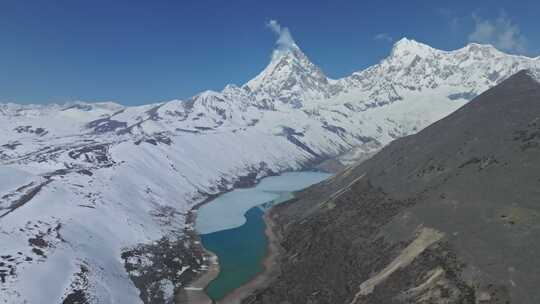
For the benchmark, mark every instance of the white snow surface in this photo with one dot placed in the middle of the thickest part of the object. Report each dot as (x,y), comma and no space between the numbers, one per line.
(92,179)
(13,178)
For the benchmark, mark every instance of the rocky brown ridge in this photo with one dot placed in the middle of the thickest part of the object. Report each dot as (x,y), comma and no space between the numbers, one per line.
(449,215)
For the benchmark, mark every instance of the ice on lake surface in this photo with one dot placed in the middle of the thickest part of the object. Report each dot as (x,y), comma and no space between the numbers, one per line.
(228,210)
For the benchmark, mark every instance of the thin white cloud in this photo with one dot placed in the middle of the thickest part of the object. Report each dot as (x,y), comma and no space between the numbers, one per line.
(383,37)
(501,33)
(285,40)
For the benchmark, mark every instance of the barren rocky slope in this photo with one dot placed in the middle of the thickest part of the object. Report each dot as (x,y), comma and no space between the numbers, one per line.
(449,215)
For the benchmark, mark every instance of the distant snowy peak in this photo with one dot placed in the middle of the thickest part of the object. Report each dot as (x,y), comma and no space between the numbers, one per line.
(290,78)
(105,107)
(414,67)
(406,47)
(80,106)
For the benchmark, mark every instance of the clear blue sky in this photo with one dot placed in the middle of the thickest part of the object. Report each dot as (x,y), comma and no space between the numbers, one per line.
(136,52)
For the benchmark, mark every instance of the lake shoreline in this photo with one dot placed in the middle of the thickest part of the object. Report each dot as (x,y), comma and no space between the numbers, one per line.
(269,262)
(195,291)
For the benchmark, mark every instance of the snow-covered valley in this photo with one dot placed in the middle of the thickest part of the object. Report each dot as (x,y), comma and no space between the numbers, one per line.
(88,191)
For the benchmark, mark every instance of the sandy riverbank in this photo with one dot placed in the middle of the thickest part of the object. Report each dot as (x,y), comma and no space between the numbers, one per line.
(270,262)
(194,292)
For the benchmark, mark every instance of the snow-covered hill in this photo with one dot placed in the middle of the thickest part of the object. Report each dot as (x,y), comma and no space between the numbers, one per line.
(94,194)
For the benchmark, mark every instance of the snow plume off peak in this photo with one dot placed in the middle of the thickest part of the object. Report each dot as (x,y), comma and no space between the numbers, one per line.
(285,42)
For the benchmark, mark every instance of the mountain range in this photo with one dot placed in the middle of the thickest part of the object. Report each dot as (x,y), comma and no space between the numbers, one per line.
(81,176)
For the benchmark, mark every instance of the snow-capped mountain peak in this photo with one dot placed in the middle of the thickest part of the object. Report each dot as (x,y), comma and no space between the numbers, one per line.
(405,47)
(290,77)
(408,47)
(484,49)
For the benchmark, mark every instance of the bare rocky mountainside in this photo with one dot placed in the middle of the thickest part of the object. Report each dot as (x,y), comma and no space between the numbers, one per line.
(96,199)
(449,215)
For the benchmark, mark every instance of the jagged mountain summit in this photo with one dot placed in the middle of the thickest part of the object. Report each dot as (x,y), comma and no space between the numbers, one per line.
(290,78)
(292,84)
(448,215)
(101,175)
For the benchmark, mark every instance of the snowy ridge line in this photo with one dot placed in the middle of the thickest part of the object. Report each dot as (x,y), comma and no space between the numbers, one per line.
(123,179)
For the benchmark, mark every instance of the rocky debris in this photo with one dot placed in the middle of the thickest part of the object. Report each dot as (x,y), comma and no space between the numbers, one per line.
(104,125)
(11,145)
(155,139)
(187,131)
(43,237)
(462,95)
(251,179)
(246,180)
(78,289)
(11,201)
(31,130)
(92,153)
(202,128)
(166,262)
(293,136)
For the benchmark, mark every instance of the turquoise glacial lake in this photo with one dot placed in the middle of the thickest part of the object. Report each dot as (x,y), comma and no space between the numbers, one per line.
(232,227)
